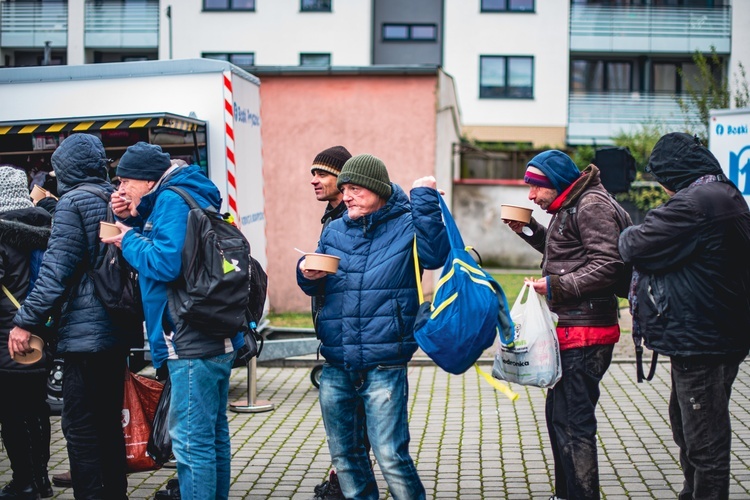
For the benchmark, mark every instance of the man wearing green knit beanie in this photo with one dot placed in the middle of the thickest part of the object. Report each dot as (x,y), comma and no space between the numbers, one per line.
(366,171)
(366,326)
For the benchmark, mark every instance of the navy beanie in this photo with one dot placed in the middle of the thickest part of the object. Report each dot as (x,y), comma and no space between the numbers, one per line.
(558,167)
(143,161)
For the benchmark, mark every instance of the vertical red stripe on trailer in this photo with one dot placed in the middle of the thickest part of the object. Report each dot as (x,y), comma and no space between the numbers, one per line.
(229,141)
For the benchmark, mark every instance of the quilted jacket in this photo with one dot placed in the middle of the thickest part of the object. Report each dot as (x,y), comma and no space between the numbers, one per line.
(83,323)
(21,232)
(371,302)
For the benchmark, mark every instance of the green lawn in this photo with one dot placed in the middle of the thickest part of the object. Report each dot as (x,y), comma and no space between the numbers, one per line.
(511,284)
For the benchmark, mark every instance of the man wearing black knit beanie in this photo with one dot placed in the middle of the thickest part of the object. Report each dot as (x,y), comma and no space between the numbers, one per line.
(325,171)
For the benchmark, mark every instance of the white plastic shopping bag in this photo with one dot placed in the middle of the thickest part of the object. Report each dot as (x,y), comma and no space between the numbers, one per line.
(533,358)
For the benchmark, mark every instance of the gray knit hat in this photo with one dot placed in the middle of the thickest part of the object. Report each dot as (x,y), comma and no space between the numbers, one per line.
(14,189)
(366,171)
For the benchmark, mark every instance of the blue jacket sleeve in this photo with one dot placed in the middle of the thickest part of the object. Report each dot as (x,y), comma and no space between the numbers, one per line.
(158,255)
(433,245)
(67,248)
(310,287)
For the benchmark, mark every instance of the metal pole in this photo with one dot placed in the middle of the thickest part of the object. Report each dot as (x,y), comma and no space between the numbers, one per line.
(251,405)
(169,16)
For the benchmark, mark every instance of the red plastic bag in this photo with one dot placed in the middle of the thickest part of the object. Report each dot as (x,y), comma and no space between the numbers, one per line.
(138,409)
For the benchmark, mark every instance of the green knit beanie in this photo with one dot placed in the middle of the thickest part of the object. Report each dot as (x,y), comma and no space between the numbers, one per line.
(366,171)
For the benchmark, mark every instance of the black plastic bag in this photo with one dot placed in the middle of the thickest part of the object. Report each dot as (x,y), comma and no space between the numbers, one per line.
(159,443)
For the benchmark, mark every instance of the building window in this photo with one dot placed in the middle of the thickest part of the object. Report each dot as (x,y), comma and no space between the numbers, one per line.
(409,32)
(676,77)
(507,5)
(601,76)
(229,5)
(236,58)
(315,59)
(315,6)
(506,77)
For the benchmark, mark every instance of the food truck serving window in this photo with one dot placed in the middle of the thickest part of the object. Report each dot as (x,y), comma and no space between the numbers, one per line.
(29,144)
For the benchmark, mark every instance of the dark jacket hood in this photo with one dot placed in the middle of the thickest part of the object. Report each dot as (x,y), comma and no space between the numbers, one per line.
(26,229)
(679,159)
(80,158)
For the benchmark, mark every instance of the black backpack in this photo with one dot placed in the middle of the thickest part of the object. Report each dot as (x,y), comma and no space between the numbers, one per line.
(222,289)
(115,281)
(622,287)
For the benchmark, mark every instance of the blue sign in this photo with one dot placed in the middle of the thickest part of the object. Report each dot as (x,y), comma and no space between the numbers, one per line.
(739,165)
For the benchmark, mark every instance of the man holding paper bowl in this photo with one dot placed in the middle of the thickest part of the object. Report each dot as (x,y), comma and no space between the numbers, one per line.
(366,324)
(581,268)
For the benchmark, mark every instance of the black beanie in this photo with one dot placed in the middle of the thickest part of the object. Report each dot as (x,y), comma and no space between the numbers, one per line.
(331,160)
(366,171)
(143,161)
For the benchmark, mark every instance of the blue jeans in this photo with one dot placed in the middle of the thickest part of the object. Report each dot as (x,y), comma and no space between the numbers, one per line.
(377,398)
(571,421)
(198,425)
(699,414)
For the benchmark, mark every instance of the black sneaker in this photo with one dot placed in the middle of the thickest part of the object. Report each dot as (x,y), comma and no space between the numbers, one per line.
(16,491)
(171,493)
(329,490)
(44,487)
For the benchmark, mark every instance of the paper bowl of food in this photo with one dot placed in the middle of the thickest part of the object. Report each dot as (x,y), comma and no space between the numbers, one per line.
(35,354)
(38,193)
(515,213)
(322,262)
(108,230)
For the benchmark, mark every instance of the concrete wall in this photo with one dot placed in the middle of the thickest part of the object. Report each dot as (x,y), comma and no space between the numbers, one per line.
(391,117)
(277,32)
(740,41)
(543,34)
(476,208)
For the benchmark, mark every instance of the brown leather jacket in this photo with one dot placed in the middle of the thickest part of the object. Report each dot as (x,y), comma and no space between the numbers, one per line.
(580,253)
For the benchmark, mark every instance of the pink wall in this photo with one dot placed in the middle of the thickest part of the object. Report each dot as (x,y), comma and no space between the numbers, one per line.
(391,117)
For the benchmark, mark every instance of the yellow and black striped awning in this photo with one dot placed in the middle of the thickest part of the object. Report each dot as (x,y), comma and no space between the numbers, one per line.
(164,120)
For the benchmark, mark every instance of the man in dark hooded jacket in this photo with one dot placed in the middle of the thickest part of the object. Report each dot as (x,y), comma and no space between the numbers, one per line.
(691,301)
(93,347)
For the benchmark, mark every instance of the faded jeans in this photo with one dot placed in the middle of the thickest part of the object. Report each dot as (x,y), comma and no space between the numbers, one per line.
(699,414)
(571,421)
(377,398)
(198,425)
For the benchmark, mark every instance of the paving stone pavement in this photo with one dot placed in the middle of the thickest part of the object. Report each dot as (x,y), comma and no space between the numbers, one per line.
(469,441)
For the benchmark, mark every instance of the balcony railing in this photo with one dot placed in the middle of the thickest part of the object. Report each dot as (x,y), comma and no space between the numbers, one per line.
(30,24)
(649,29)
(122,24)
(596,117)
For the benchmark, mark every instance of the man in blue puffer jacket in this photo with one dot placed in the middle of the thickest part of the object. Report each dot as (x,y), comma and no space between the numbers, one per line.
(94,348)
(366,325)
(199,364)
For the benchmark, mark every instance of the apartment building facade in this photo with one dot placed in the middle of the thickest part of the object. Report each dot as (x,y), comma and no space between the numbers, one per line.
(532,72)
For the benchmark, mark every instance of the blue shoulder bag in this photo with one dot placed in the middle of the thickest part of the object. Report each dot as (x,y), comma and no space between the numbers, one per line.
(469,308)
